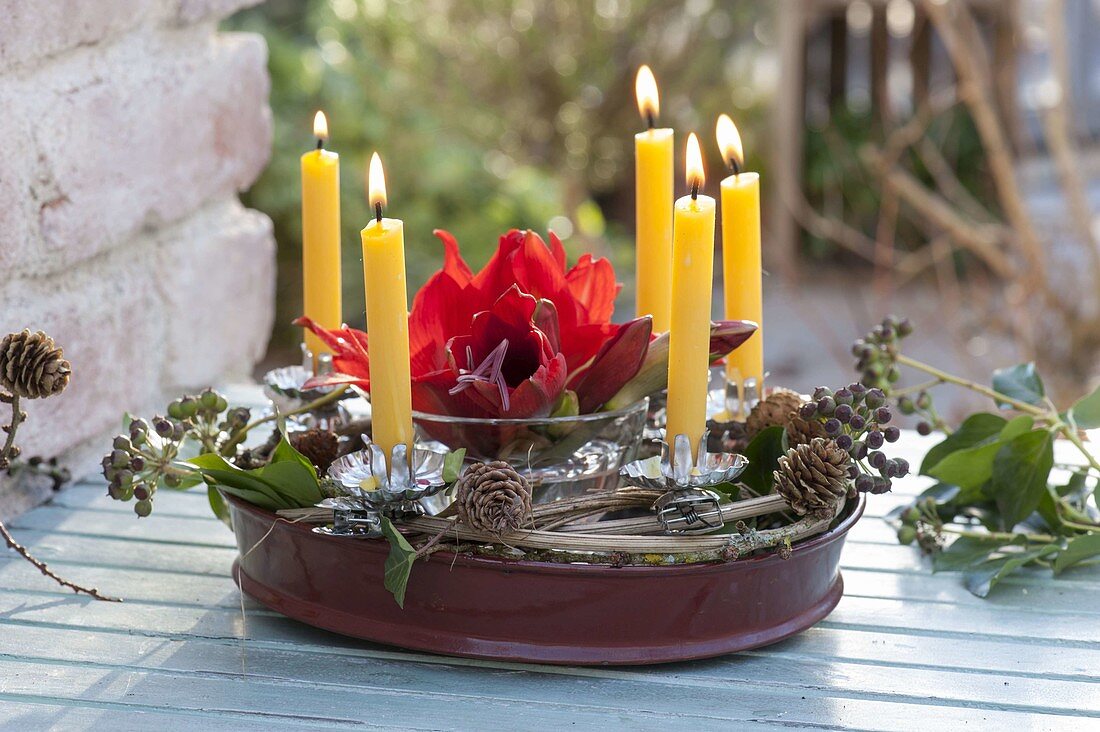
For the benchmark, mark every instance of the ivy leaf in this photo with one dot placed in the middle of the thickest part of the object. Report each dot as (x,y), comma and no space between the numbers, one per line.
(1020,472)
(217,505)
(1085,412)
(977,428)
(972,467)
(969,551)
(1021,382)
(763,454)
(452,465)
(399,563)
(985,577)
(1077,550)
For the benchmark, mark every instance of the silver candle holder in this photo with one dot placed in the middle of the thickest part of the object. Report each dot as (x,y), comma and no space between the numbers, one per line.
(688,506)
(284,386)
(372,489)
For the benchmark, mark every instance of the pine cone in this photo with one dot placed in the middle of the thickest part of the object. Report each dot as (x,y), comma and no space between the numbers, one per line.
(493,497)
(32,366)
(774,409)
(319,446)
(814,476)
(803,431)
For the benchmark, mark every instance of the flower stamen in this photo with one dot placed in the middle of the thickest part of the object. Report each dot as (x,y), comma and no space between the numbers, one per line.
(488,371)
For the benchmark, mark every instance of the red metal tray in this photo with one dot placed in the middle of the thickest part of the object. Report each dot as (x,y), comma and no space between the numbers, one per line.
(534,611)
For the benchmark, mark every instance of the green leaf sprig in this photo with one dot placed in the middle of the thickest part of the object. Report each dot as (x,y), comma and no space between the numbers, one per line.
(999,501)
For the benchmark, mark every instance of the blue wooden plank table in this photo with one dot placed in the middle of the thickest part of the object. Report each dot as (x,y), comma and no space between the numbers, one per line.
(905,649)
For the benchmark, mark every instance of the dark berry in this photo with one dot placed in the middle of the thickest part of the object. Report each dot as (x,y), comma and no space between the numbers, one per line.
(865,483)
(904,327)
(858,390)
(844,396)
(877,460)
(833,426)
(857,422)
(874,439)
(141,492)
(875,398)
(882,485)
(844,442)
(859,450)
(844,413)
(826,405)
(883,415)
(853,472)
(902,467)
(892,434)
(821,392)
(923,428)
(143,508)
(808,410)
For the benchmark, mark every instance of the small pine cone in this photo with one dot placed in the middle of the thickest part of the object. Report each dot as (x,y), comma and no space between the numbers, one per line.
(813,476)
(32,366)
(493,497)
(774,409)
(319,446)
(803,431)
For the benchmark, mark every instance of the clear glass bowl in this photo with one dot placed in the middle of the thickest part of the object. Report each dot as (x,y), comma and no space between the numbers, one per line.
(562,457)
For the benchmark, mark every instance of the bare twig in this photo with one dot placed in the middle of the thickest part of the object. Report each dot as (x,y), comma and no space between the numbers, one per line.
(44,569)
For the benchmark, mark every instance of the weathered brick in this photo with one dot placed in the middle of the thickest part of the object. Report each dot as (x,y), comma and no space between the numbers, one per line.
(30,31)
(191,11)
(113,141)
(217,281)
(107,317)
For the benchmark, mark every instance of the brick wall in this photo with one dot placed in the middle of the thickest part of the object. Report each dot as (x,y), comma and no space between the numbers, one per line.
(127,128)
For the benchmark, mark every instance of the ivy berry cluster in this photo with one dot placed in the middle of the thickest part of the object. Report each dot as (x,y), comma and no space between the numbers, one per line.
(857,419)
(147,457)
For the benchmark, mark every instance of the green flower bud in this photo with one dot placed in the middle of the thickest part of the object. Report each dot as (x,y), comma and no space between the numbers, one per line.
(143,508)
(175,410)
(120,458)
(209,399)
(911,515)
(907,535)
(189,406)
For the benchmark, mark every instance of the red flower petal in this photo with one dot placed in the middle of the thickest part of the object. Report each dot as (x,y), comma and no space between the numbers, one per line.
(592,284)
(617,362)
(557,250)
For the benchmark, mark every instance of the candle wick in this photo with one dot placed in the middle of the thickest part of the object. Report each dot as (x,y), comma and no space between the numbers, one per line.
(378,212)
(650,120)
(694,189)
(320,143)
(735,165)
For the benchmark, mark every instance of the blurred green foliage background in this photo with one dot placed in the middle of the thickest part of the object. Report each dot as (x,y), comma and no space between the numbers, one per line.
(493,114)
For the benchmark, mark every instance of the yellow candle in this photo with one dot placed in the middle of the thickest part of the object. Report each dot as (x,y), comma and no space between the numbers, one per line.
(692,282)
(741,267)
(321,237)
(653,207)
(387,321)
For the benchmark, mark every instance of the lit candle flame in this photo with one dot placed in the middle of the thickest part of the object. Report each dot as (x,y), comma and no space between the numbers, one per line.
(320,126)
(645,88)
(376,184)
(729,142)
(694,165)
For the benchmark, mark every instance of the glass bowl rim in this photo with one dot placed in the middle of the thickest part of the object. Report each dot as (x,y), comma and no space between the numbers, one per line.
(642,405)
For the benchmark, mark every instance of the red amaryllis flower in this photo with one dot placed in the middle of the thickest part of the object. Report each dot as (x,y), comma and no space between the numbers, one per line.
(523,328)
(504,367)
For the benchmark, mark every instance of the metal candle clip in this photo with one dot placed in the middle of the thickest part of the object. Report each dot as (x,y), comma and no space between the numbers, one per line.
(688,506)
(284,387)
(371,489)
